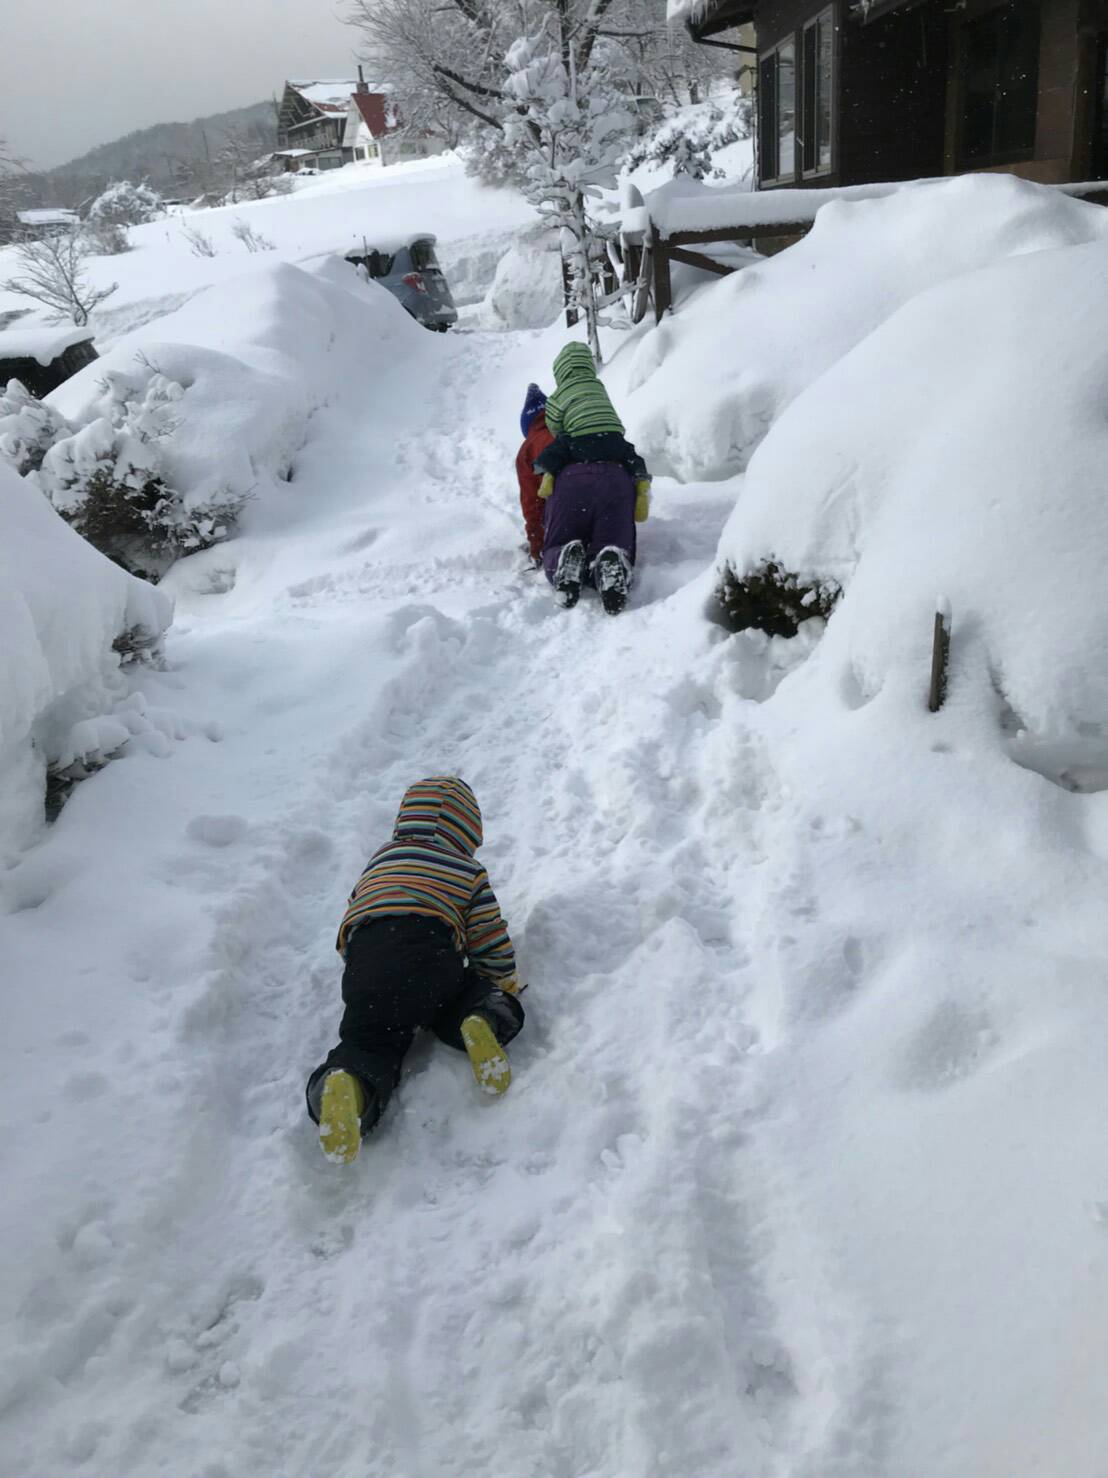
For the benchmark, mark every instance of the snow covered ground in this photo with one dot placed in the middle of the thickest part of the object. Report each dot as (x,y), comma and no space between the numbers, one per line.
(802,1171)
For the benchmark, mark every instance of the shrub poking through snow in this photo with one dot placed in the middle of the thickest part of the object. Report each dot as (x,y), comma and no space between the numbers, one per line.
(772,600)
(199,244)
(28,428)
(253,240)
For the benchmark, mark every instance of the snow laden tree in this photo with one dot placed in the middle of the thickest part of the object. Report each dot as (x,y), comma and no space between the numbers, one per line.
(126,204)
(568,116)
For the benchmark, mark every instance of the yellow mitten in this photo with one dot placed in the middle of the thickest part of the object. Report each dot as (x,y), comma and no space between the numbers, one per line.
(546,487)
(642,500)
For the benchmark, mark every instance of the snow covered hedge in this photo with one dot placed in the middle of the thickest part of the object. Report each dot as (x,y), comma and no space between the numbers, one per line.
(705,385)
(959,450)
(68,616)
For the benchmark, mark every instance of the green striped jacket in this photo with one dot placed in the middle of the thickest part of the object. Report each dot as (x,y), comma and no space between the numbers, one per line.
(580,404)
(429,868)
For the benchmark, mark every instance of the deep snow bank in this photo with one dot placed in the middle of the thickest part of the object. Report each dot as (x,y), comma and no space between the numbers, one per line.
(62,605)
(254,359)
(703,388)
(959,450)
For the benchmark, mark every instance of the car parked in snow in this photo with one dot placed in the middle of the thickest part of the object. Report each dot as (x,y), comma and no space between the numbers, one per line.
(410,271)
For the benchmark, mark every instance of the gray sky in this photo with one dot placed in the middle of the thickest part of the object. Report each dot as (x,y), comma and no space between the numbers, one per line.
(75,73)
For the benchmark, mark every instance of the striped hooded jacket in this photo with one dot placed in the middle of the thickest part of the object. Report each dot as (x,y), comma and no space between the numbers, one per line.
(580,405)
(429,868)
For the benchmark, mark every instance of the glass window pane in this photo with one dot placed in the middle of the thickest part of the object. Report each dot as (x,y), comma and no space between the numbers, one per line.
(809,122)
(786,109)
(823,95)
(767,117)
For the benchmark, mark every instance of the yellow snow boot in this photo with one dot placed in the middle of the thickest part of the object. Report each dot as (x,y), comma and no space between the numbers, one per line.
(340,1117)
(486,1056)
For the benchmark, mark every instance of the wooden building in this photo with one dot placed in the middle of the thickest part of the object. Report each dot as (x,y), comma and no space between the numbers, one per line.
(858,91)
(311,122)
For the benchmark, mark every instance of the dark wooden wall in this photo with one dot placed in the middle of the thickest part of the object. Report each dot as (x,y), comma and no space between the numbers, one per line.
(892,96)
(898,97)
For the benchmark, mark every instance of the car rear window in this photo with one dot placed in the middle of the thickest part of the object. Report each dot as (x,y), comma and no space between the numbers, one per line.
(423,256)
(376,263)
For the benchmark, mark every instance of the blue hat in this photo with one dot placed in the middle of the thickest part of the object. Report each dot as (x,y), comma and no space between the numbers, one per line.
(534,403)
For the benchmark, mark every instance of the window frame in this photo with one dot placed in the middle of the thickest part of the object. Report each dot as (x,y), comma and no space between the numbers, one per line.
(771,55)
(999,16)
(817,171)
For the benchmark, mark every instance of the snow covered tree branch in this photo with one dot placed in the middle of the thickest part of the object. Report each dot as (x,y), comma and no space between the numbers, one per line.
(53,273)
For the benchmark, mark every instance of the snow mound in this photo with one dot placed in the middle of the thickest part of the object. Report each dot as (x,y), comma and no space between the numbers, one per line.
(527,290)
(62,605)
(252,361)
(961,450)
(705,386)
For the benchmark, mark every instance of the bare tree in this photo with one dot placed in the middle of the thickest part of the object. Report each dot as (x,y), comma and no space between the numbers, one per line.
(53,269)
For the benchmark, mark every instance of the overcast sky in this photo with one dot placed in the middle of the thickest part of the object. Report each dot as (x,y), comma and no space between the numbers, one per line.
(75,73)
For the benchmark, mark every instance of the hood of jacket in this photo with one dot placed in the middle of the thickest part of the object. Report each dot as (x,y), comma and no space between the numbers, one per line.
(441,808)
(573,364)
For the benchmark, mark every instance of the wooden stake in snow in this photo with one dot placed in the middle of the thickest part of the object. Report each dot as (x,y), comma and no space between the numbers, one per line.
(940,655)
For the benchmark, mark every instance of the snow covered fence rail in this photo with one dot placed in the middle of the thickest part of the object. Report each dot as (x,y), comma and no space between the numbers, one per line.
(686,214)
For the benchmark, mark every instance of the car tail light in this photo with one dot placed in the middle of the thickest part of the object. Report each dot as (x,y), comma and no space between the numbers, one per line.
(414,279)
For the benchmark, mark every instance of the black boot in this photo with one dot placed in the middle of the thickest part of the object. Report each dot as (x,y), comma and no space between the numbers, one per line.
(569,573)
(611,574)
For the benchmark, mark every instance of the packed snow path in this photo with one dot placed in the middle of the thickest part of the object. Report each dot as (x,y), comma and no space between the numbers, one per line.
(572,1281)
(632,1265)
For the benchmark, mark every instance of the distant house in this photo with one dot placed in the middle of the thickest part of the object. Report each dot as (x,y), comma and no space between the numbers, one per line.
(859,91)
(312,119)
(371,134)
(44,221)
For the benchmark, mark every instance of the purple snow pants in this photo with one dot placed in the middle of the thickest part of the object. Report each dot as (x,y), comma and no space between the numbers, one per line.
(593,502)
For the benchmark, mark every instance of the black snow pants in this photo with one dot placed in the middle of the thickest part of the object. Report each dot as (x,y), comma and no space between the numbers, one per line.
(403,972)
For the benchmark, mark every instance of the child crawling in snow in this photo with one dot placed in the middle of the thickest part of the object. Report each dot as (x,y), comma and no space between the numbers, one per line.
(597,485)
(424,946)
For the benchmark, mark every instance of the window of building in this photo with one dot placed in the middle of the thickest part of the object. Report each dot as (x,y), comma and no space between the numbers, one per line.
(777,112)
(1000,84)
(816,74)
(1100,115)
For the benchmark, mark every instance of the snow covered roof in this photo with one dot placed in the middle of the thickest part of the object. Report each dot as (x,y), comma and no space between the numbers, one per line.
(328,97)
(40,341)
(291,153)
(48,216)
(374,112)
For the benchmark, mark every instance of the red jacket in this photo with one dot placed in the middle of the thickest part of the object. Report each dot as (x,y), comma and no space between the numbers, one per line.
(537,440)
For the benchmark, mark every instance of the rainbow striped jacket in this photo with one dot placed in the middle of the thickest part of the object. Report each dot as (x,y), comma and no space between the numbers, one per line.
(429,868)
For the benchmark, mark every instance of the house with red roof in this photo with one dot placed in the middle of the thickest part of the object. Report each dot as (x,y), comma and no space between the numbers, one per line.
(373,133)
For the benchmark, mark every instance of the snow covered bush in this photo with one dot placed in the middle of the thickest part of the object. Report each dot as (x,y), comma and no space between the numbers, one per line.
(28,428)
(105,239)
(107,480)
(770,599)
(942,457)
(63,606)
(751,342)
(126,204)
(689,141)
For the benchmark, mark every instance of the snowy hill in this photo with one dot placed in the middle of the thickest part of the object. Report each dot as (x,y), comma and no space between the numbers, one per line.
(802,1170)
